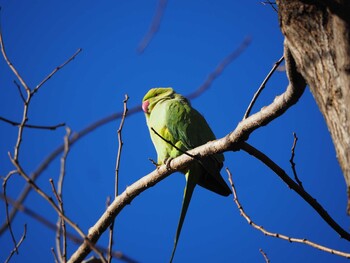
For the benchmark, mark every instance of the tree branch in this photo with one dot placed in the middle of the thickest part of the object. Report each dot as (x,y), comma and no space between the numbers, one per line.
(73,237)
(11,66)
(262,86)
(267,260)
(220,68)
(297,188)
(55,71)
(154,26)
(54,206)
(292,163)
(15,249)
(41,127)
(8,221)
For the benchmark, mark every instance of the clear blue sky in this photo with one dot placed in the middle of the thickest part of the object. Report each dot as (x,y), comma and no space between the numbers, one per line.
(193,38)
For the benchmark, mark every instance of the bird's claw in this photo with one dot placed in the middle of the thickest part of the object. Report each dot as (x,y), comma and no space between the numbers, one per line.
(167,163)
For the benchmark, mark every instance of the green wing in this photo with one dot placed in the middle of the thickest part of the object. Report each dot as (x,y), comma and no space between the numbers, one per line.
(189,127)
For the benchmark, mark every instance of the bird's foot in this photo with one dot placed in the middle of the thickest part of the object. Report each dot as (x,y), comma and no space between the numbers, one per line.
(167,163)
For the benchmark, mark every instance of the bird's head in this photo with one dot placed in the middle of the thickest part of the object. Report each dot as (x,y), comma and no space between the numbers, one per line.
(155,95)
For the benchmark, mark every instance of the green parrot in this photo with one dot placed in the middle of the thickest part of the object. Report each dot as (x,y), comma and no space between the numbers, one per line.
(172,117)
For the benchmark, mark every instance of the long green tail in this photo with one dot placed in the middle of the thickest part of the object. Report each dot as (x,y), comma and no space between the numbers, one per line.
(190,185)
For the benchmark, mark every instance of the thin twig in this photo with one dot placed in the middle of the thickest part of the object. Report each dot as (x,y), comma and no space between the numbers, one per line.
(267,260)
(41,127)
(60,194)
(111,227)
(15,249)
(54,255)
(120,142)
(271,4)
(58,224)
(220,68)
(153,162)
(11,66)
(30,93)
(26,101)
(154,26)
(262,86)
(21,128)
(293,185)
(55,71)
(169,142)
(277,235)
(20,91)
(73,237)
(8,221)
(292,163)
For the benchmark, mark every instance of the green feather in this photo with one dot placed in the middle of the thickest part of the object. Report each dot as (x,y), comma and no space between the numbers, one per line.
(172,116)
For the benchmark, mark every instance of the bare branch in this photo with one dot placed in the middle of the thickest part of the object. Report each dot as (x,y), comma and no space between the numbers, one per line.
(220,68)
(25,101)
(58,224)
(154,26)
(11,66)
(54,206)
(15,249)
(263,253)
(21,128)
(74,138)
(60,221)
(292,161)
(277,235)
(20,91)
(54,255)
(120,141)
(272,4)
(8,221)
(262,86)
(76,239)
(294,186)
(111,227)
(55,71)
(30,93)
(41,127)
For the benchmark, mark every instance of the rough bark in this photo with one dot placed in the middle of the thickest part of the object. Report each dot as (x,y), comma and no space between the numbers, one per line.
(318,36)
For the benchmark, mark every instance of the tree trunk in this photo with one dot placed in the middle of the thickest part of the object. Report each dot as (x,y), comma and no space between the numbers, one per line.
(318,36)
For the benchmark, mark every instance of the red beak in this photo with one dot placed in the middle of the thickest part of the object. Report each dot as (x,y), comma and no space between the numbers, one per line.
(145,105)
